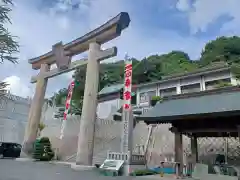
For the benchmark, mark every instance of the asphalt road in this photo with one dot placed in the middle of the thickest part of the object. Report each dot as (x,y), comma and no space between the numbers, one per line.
(18,170)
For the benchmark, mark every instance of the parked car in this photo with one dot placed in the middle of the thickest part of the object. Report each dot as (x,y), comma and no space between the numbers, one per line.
(10,150)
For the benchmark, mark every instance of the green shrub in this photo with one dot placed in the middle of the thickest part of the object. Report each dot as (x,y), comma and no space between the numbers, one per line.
(143,172)
(221,84)
(44,140)
(155,99)
(43,150)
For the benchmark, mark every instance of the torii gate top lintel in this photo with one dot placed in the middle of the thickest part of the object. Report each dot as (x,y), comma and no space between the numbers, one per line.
(61,55)
(100,35)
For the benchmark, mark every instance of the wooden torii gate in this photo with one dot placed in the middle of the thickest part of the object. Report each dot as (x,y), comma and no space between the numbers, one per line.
(61,55)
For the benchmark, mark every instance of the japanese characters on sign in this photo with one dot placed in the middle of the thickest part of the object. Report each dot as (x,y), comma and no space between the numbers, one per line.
(127,85)
(126,119)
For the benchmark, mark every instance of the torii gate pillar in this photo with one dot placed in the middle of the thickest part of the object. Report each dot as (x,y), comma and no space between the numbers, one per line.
(88,118)
(35,112)
(61,55)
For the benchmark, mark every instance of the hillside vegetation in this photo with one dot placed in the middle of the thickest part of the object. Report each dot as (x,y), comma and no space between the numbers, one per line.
(155,67)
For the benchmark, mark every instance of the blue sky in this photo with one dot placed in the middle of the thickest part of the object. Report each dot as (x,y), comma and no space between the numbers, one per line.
(157,27)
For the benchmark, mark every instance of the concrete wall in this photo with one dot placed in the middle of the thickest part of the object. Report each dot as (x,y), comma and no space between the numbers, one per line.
(108,137)
(107,108)
(13,118)
(108,132)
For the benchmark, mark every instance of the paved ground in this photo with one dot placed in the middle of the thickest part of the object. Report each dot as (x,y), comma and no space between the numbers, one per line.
(17,170)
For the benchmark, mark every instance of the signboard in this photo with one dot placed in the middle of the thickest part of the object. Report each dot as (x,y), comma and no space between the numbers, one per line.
(126,113)
(113,165)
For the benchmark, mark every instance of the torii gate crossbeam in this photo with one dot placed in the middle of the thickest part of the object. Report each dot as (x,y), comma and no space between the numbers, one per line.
(62,55)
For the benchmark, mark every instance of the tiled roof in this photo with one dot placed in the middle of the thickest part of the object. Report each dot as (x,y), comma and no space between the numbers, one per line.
(203,104)
(111,89)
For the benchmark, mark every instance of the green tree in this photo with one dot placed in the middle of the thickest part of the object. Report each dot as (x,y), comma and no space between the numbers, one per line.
(8,45)
(157,67)
(60,96)
(225,49)
(148,69)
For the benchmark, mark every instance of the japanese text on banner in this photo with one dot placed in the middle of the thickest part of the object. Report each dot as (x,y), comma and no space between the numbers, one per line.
(127,85)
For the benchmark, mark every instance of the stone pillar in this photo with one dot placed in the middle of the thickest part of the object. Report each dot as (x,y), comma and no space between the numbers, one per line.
(234,80)
(238,130)
(202,84)
(179,151)
(127,131)
(194,150)
(193,157)
(88,118)
(35,111)
(179,90)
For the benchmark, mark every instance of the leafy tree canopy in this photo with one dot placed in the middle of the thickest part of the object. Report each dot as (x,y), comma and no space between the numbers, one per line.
(8,45)
(155,67)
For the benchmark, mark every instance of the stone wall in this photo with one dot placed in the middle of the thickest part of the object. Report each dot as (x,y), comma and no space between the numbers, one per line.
(108,137)
(13,118)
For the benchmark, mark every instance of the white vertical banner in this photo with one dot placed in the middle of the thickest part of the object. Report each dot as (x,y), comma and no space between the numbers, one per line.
(67,107)
(127,117)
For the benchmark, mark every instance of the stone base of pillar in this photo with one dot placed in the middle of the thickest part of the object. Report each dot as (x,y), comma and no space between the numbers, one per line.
(28,148)
(77,167)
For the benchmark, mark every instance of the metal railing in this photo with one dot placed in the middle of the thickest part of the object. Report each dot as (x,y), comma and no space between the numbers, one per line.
(135,159)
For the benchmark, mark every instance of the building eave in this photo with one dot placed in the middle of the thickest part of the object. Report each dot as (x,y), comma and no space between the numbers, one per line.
(219,102)
(186,75)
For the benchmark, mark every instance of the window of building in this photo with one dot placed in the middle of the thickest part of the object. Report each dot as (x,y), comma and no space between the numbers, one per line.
(190,88)
(168,92)
(217,83)
(146,96)
(134,99)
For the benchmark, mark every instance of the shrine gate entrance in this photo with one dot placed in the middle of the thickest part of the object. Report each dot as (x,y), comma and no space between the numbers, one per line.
(61,55)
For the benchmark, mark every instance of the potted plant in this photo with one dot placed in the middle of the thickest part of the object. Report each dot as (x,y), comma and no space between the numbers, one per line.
(155,99)
(43,150)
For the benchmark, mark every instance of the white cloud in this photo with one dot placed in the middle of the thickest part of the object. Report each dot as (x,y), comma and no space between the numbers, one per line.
(183,5)
(38,29)
(205,12)
(17,87)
